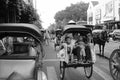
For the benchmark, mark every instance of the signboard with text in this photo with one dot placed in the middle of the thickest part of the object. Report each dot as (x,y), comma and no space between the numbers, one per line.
(109,11)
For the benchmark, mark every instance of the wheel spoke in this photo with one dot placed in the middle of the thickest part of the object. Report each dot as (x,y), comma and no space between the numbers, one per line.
(117,76)
(115,72)
(114,60)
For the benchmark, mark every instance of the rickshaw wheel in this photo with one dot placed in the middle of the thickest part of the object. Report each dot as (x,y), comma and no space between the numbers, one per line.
(112,64)
(62,70)
(88,71)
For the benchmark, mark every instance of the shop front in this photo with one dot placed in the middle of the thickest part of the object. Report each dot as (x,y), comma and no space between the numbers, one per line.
(109,15)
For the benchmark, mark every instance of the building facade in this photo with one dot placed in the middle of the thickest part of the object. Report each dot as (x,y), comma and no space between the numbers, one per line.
(97,14)
(91,12)
(105,12)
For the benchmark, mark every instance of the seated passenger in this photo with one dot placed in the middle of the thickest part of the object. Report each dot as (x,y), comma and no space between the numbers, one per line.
(81,44)
(67,47)
(79,49)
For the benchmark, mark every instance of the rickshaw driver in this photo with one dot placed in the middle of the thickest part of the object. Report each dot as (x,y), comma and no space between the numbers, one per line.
(58,39)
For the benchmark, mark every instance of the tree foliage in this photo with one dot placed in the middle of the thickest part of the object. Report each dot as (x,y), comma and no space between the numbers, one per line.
(74,12)
(17,11)
(29,14)
(51,28)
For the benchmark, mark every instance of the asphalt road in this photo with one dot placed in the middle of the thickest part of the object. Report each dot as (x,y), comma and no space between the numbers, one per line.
(109,47)
(51,67)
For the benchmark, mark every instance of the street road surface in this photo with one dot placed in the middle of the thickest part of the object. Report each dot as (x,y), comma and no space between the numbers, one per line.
(51,67)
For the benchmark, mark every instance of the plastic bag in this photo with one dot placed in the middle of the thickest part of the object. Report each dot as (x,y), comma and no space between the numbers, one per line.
(63,56)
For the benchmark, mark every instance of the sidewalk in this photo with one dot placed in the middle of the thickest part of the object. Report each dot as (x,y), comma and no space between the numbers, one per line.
(109,48)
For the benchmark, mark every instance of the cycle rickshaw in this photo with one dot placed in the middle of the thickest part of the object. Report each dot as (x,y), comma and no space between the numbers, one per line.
(58,34)
(89,50)
(114,64)
(20,59)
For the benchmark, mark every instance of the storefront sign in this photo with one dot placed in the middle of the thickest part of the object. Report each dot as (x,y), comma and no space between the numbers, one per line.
(98,14)
(109,11)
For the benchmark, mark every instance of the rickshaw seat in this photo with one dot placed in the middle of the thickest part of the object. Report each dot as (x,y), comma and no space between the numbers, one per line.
(23,67)
(24,49)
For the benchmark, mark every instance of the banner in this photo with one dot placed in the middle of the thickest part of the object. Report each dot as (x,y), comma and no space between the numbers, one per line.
(109,11)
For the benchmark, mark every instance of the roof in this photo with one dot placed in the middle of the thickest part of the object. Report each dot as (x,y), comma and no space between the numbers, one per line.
(71,22)
(58,29)
(73,26)
(94,3)
(19,29)
(76,28)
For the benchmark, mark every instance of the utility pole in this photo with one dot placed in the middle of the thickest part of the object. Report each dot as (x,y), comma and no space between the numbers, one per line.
(35,4)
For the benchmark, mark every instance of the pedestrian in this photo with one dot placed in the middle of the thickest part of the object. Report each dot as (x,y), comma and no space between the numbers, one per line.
(46,37)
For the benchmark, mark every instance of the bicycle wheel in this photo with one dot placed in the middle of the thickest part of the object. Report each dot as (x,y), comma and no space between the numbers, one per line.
(88,71)
(114,64)
(62,70)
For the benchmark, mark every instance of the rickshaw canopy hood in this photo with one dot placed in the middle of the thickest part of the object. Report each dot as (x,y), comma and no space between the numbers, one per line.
(42,30)
(89,26)
(58,30)
(76,29)
(97,31)
(19,30)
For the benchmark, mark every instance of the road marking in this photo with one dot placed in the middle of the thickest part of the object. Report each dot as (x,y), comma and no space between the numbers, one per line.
(102,73)
(51,73)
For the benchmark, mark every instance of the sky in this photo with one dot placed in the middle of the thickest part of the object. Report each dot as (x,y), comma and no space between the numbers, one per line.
(48,8)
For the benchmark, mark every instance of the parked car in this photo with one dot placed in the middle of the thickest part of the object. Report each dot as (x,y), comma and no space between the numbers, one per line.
(115,34)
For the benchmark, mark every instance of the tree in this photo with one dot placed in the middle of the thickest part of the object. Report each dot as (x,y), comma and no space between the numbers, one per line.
(29,15)
(51,28)
(74,12)
(17,11)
